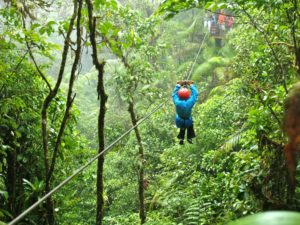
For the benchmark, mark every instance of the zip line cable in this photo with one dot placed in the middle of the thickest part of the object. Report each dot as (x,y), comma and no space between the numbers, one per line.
(63,183)
(17,219)
(193,65)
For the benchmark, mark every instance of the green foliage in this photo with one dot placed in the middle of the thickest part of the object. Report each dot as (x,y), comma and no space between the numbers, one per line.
(172,7)
(199,172)
(207,68)
(235,167)
(192,213)
(22,92)
(272,218)
(19,118)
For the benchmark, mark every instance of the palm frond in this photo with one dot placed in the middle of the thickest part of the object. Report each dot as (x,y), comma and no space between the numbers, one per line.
(233,140)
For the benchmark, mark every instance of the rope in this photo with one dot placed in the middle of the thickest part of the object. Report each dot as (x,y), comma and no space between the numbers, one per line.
(63,183)
(198,53)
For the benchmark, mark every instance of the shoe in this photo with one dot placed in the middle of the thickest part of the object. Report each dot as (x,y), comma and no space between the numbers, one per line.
(190,141)
(181,142)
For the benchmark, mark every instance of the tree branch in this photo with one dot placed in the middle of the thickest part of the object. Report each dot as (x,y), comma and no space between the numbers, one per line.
(142,210)
(283,43)
(103,99)
(51,95)
(70,98)
(270,108)
(33,59)
(261,30)
(19,63)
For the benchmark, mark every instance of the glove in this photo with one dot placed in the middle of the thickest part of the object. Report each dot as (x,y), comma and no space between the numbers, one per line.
(185,82)
(180,82)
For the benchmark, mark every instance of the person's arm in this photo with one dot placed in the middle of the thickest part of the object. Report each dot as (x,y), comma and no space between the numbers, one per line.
(195,92)
(175,94)
(194,95)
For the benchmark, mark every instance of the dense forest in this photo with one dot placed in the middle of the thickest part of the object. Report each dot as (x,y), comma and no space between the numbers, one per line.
(87,120)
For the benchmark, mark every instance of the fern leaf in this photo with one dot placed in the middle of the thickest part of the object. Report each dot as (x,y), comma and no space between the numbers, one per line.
(233,141)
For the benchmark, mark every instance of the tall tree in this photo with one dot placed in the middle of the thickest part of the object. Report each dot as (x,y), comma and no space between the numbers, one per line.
(49,164)
(50,160)
(102,96)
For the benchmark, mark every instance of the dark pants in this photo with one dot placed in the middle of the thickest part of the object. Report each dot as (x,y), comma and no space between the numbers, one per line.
(190,132)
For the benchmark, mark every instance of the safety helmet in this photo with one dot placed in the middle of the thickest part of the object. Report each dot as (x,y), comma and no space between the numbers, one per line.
(184,93)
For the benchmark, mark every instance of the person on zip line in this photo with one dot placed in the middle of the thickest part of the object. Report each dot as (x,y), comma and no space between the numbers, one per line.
(184,97)
(213,24)
(221,22)
(230,22)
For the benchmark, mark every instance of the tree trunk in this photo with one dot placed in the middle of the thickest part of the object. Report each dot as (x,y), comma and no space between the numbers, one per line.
(50,220)
(11,180)
(70,95)
(142,211)
(49,207)
(102,110)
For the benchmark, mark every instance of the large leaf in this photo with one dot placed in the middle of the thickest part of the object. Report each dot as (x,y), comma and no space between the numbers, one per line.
(270,218)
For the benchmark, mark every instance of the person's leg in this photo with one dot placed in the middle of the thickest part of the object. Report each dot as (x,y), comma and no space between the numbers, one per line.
(180,124)
(190,133)
(181,135)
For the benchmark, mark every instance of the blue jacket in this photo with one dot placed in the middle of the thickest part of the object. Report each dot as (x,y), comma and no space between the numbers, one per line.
(184,107)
